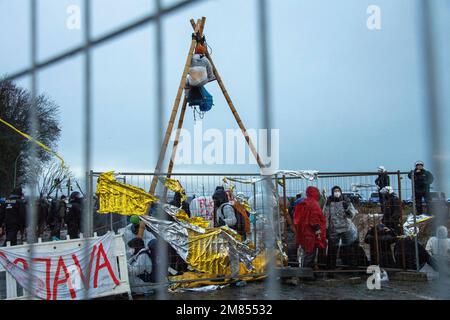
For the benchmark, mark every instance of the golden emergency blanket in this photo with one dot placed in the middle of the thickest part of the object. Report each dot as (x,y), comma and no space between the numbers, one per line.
(124,199)
(216,251)
(208,252)
(175,186)
(194,279)
(196,221)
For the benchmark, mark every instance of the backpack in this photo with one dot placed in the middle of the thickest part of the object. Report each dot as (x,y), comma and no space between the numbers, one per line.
(198,96)
(242,226)
(145,276)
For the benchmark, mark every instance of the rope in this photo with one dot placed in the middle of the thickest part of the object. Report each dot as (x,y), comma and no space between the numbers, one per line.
(40,144)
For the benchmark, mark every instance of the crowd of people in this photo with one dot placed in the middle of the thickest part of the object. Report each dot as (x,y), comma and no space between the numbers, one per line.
(53,215)
(324,227)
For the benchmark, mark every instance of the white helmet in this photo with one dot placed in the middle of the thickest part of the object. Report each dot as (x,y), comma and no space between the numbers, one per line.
(381,169)
(387,189)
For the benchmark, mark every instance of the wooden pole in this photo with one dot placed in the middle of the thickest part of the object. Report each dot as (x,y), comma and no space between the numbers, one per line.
(231,105)
(175,144)
(177,137)
(200,25)
(162,153)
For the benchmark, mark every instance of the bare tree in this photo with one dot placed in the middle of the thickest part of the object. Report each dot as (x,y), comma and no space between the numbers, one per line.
(15,106)
(52,178)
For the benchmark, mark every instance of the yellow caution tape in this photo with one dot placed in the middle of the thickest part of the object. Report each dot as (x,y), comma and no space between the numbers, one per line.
(40,144)
(121,198)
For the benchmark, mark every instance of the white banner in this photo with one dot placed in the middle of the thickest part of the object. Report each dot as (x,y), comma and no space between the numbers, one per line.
(64,270)
(203,207)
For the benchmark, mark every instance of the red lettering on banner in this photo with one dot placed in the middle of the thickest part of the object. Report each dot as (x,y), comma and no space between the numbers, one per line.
(106,264)
(66,279)
(48,265)
(88,274)
(23,262)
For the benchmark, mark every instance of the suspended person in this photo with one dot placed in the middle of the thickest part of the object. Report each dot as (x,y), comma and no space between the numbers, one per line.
(200,73)
(13,215)
(338,213)
(73,215)
(381,245)
(382,181)
(310,224)
(140,266)
(422,182)
(392,212)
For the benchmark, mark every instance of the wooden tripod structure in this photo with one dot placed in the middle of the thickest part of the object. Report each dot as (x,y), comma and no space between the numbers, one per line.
(198,33)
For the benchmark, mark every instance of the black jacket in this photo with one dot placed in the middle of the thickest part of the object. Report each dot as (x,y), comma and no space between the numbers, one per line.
(73,213)
(392,212)
(382,180)
(13,212)
(410,254)
(385,240)
(422,180)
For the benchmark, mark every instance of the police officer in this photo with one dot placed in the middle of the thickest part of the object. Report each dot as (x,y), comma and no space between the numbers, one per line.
(73,214)
(13,215)
(422,182)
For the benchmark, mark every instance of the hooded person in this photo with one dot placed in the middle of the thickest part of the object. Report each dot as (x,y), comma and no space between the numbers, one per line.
(131,230)
(310,224)
(13,215)
(439,245)
(224,213)
(338,213)
(140,266)
(381,245)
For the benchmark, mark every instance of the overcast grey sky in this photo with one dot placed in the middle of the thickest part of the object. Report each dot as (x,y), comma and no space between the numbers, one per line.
(345,98)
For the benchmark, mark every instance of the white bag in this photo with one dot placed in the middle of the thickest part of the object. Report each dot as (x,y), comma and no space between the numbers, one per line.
(198,76)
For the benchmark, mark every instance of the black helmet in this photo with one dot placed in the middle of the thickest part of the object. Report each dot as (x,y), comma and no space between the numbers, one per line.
(75,196)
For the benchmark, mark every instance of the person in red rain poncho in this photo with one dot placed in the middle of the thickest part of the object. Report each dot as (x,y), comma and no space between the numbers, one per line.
(310,223)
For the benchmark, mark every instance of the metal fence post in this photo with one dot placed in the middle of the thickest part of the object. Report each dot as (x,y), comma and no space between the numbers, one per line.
(416,233)
(255,214)
(399,182)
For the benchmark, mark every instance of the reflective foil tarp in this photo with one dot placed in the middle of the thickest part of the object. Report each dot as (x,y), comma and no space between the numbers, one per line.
(116,197)
(215,251)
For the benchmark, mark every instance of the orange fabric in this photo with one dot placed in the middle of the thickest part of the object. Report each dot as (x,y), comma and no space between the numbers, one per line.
(200,49)
(241,210)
